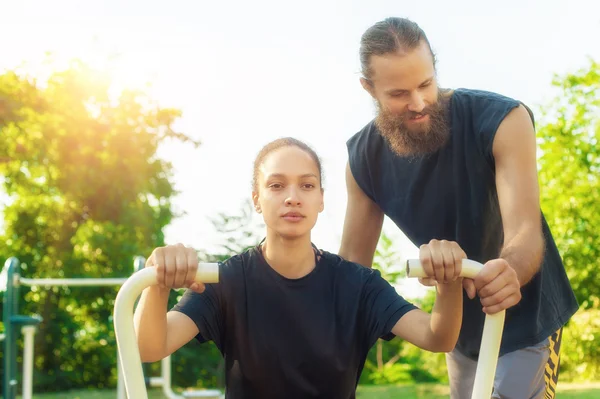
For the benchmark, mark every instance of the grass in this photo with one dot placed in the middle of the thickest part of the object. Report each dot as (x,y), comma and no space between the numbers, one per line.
(436,391)
(421,391)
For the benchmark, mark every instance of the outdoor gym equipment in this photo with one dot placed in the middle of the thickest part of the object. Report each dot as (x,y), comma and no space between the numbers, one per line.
(164,380)
(490,340)
(129,354)
(12,320)
(208,273)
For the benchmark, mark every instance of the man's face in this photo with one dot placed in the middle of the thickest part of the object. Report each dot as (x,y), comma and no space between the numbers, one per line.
(411,113)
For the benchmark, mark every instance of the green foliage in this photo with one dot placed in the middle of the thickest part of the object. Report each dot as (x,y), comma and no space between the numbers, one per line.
(381,365)
(86,194)
(391,373)
(387,260)
(580,352)
(238,232)
(569,135)
(412,391)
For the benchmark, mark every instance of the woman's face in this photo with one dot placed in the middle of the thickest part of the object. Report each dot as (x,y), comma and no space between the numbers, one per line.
(289,193)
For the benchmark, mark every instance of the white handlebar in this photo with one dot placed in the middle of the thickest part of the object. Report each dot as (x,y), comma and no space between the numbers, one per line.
(123,321)
(492,333)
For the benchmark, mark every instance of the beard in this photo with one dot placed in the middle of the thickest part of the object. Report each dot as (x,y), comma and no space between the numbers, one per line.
(420,139)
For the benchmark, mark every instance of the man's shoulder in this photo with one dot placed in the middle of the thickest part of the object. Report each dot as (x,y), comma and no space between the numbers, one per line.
(485,108)
(366,142)
(478,97)
(366,133)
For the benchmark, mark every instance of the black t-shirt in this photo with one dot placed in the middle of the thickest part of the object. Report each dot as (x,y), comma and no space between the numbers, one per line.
(294,338)
(451,194)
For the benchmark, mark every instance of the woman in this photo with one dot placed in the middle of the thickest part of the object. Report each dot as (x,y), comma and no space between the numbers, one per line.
(292,321)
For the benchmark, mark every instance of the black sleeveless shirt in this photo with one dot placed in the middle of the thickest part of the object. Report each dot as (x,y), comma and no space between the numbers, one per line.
(451,194)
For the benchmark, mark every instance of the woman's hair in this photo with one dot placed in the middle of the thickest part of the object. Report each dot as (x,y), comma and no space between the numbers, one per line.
(281,143)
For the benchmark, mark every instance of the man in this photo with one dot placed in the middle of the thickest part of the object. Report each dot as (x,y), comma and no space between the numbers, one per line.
(459,166)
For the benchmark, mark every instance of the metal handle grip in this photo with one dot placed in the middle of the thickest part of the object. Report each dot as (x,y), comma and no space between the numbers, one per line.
(492,332)
(129,352)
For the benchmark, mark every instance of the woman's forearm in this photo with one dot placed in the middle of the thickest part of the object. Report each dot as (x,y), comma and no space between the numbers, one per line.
(150,320)
(446,316)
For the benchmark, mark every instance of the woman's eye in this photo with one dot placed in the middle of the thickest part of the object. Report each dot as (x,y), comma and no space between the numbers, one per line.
(308,185)
(275,185)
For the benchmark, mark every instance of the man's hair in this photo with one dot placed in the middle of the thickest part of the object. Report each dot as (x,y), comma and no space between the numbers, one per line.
(391,35)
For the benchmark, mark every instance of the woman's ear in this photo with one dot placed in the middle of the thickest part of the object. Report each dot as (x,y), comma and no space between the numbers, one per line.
(255,202)
(322,207)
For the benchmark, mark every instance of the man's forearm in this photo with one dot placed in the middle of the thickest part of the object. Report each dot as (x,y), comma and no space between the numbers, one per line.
(524,253)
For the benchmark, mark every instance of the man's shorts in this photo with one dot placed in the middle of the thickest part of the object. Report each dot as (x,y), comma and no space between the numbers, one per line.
(529,373)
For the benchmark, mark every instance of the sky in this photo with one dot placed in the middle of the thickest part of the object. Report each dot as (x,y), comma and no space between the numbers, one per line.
(247,72)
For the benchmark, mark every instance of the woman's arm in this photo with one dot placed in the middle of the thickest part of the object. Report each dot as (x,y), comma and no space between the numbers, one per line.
(160,333)
(438,331)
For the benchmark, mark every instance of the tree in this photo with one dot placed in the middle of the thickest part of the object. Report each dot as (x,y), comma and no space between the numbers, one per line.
(569,137)
(570,176)
(86,194)
(238,232)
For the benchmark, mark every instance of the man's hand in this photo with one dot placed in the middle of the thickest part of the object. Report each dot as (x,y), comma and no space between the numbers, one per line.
(498,286)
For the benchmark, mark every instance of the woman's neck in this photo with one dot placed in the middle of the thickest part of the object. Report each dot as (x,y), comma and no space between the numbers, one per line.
(291,258)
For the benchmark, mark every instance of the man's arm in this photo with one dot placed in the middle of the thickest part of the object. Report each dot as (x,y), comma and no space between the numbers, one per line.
(518,194)
(514,152)
(362,225)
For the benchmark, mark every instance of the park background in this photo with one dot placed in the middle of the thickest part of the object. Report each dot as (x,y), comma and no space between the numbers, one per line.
(129,125)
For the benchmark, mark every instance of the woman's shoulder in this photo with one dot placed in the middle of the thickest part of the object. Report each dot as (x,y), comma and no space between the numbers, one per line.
(235,264)
(346,267)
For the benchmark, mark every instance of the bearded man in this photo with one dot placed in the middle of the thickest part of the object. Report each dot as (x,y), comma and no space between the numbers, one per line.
(456,169)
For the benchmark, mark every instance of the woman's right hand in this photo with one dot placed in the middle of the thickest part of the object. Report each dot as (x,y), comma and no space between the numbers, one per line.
(176,267)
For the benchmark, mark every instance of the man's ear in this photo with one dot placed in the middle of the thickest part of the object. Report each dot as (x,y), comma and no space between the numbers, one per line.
(368,86)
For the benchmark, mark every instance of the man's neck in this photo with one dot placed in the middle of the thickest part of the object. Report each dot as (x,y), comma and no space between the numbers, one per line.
(446,96)
(291,258)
